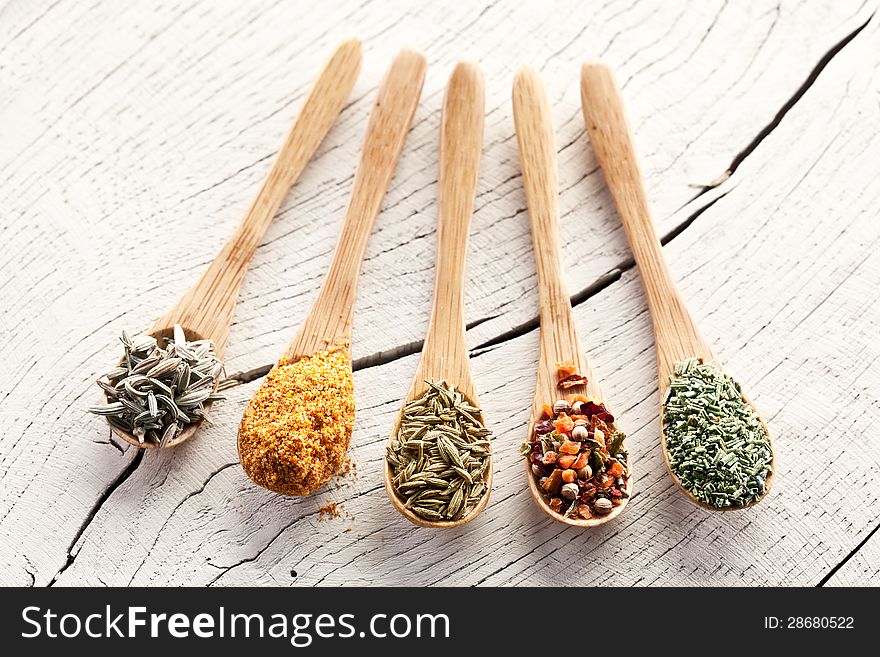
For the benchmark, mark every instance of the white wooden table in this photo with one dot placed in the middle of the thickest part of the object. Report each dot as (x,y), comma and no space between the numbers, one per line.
(133,136)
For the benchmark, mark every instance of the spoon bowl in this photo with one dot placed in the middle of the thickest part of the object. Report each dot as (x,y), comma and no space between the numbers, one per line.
(400,504)
(545,392)
(445,354)
(595,521)
(559,340)
(693,498)
(676,334)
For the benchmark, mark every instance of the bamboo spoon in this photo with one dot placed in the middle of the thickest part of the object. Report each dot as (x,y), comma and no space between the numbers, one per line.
(559,340)
(329,321)
(328,324)
(205,311)
(445,354)
(675,333)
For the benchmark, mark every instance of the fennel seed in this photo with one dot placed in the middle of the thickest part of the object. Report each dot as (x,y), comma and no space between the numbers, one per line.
(155,392)
(439,458)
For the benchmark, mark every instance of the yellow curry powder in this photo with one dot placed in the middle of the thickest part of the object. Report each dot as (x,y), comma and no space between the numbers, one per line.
(296,429)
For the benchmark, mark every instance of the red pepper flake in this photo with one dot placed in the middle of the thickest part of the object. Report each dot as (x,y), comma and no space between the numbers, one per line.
(561,465)
(571,381)
(591,408)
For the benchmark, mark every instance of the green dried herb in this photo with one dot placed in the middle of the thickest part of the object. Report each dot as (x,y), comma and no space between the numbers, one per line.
(615,442)
(717,446)
(440,455)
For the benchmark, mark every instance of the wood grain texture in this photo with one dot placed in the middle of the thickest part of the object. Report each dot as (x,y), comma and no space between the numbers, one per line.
(118,119)
(445,353)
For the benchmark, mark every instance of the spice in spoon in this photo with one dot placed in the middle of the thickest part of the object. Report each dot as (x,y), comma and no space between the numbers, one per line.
(156,391)
(576,455)
(440,456)
(296,429)
(715,441)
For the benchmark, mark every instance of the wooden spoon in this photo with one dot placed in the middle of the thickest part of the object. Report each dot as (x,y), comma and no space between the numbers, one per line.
(675,333)
(205,311)
(328,324)
(445,353)
(329,321)
(559,340)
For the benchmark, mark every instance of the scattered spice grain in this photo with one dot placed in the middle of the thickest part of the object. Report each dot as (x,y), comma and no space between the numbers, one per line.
(295,431)
(330,510)
(347,474)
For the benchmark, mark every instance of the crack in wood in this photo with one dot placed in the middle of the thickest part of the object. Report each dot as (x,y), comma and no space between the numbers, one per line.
(842,563)
(96,507)
(373,360)
(186,497)
(786,107)
(603,282)
(241,562)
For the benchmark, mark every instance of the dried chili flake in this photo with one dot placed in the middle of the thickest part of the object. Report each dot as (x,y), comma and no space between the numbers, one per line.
(567,451)
(571,381)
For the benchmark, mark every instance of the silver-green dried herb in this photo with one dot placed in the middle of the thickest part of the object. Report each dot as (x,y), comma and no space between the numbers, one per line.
(717,446)
(156,391)
(440,455)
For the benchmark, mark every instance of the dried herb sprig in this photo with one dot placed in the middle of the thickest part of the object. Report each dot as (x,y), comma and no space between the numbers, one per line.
(155,392)
(440,455)
(716,443)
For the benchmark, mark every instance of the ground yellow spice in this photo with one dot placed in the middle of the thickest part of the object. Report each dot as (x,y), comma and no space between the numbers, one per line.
(296,429)
(330,510)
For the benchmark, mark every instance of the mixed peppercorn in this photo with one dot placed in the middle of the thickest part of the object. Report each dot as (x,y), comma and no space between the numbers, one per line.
(576,455)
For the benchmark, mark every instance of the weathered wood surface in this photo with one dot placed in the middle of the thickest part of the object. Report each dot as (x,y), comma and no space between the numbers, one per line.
(134,137)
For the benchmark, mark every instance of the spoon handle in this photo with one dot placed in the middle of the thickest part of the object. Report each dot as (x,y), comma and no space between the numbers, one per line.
(329,320)
(444,355)
(675,332)
(207,308)
(537,152)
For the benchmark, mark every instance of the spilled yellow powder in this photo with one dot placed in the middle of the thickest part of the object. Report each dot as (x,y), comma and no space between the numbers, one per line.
(330,510)
(296,429)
